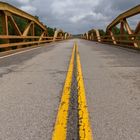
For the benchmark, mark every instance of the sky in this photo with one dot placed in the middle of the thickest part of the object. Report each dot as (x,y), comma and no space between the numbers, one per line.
(76,16)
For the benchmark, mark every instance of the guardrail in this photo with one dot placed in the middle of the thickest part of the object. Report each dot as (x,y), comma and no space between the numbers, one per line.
(126,36)
(27,41)
(124,40)
(33,32)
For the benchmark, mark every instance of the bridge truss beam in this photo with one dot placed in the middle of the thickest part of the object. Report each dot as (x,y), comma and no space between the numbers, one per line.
(125,37)
(33,33)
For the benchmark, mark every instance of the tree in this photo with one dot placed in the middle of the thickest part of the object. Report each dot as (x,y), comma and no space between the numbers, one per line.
(50,31)
(116,30)
(37,17)
(102,32)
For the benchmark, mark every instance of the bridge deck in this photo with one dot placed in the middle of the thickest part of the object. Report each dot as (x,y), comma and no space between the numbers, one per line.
(31,86)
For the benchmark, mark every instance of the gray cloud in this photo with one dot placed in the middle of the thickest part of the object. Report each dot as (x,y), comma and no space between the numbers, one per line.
(76,16)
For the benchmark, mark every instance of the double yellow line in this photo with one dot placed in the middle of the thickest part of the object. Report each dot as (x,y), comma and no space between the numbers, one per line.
(60,129)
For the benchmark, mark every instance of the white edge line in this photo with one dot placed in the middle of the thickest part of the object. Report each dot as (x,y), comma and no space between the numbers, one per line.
(1,57)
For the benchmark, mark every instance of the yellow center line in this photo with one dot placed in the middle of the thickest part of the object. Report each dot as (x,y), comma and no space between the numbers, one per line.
(60,128)
(85,132)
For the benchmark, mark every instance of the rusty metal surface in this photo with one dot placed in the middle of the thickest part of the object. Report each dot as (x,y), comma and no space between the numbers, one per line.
(127,14)
(126,37)
(27,36)
(7,7)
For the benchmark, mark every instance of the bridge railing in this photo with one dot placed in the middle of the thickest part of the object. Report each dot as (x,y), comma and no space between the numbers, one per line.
(28,41)
(122,35)
(19,29)
(125,40)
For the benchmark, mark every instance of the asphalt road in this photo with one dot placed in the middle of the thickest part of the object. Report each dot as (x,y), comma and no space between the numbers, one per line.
(30,90)
(112,82)
(31,85)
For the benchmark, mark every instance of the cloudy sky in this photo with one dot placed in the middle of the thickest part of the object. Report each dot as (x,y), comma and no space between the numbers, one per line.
(76,16)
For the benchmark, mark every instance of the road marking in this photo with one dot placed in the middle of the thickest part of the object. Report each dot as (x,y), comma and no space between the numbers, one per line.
(84,129)
(18,53)
(60,128)
(28,49)
(85,132)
